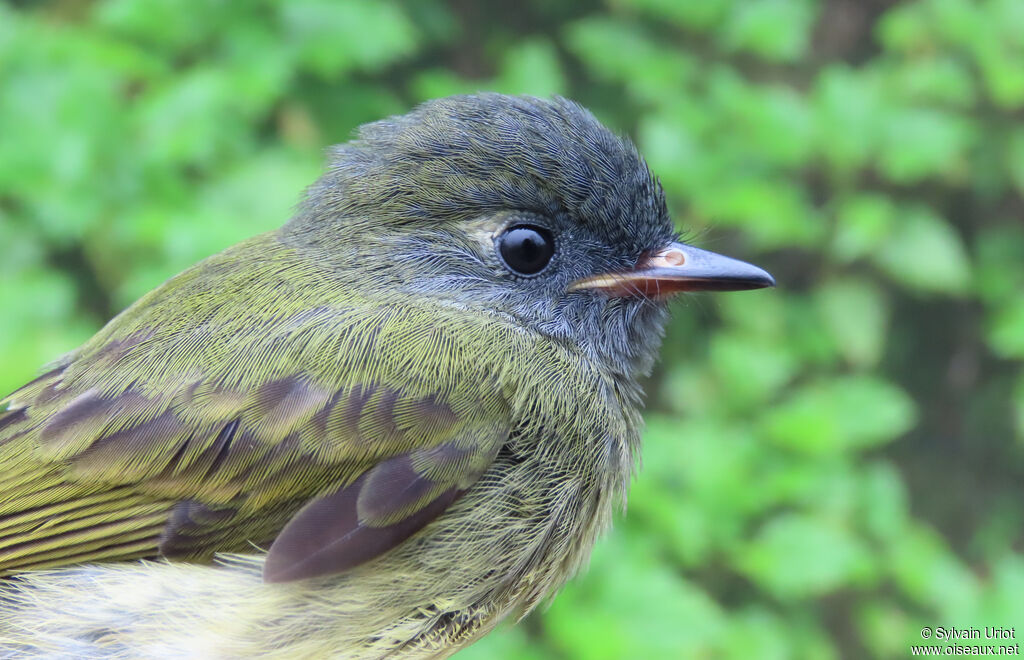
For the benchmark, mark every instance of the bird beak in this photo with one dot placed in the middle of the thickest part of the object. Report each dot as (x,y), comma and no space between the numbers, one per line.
(676,268)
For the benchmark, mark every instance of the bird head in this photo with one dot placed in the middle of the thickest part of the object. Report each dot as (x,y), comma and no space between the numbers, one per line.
(514,206)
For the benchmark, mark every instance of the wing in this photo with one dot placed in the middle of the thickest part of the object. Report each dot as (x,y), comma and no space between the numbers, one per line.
(348,431)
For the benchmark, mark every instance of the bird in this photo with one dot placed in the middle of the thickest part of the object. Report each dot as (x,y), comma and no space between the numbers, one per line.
(377,431)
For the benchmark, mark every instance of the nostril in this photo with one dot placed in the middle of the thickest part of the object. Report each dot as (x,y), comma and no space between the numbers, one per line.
(674,258)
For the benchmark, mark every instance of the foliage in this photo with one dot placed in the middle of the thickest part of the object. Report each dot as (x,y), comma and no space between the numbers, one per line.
(829,466)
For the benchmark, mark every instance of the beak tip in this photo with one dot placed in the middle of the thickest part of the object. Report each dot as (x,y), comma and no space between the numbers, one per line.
(765,281)
(727,274)
(732,274)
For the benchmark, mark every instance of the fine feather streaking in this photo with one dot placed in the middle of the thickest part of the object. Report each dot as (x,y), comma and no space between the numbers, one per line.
(376,431)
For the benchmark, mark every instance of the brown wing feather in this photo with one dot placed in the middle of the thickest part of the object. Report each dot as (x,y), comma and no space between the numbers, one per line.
(190,471)
(205,415)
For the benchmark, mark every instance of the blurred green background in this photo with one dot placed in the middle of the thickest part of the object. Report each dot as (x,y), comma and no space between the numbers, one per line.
(829,466)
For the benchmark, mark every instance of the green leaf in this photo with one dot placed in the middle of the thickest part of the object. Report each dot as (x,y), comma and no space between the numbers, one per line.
(332,36)
(856,312)
(807,334)
(773,29)
(926,570)
(436,83)
(922,142)
(651,71)
(254,196)
(1018,408)
(798,556)
(762,316)
(672,149)
(958,21)
(508,641)
(1006,329)
(1001,71)
(38,324)
(940,80)
(1003,605)
(750,371)
(849,108)
(757,632)
(531,67)
(885,627)
(882,501)
(165,24)
(775,212)
(630,606)
(694,488)
(925,254)
(846,413)
(863,222)
(905,28)
(325,114)
(195,120)
(1015,158)
(999,259)
(769,122)
(702,15)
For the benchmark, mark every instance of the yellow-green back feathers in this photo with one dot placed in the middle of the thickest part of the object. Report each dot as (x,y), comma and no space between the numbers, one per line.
(376,431)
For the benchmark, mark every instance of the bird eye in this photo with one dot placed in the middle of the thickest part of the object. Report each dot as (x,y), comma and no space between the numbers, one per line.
(526,249)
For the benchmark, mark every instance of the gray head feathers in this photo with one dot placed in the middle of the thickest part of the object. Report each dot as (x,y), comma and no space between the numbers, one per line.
(459,157)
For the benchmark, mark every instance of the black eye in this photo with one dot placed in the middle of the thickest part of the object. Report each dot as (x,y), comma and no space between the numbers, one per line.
(526,249)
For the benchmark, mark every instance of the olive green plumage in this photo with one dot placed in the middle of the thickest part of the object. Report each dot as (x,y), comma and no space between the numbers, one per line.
(426,440)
